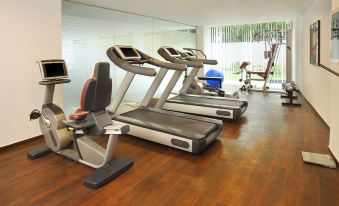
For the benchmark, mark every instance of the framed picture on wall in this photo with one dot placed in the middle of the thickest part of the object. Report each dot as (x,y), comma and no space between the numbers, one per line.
(315,43)
(335,37)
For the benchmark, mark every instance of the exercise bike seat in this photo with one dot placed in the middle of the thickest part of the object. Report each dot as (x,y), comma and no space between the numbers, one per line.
(78,115)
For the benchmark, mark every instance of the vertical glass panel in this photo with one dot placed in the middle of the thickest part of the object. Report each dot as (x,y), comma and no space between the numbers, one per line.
(89,31)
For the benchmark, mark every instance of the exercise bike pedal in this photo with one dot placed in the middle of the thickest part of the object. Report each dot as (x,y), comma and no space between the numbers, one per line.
(35,114)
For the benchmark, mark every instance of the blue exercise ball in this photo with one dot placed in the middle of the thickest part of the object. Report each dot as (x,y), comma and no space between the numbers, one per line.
(214,73)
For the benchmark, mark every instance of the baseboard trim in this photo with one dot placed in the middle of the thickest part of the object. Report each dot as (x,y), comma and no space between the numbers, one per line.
(314,110)
(20,142)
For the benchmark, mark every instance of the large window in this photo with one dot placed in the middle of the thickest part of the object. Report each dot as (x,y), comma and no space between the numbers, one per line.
(231,45)
(87,32)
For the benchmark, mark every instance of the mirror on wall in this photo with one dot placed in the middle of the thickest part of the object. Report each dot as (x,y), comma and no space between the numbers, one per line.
(88,31)
(335,37)
(315,43)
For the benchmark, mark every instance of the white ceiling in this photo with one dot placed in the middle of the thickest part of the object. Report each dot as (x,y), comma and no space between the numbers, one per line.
(210,12)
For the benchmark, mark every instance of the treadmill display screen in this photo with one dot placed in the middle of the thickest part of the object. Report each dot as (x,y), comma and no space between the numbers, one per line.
(172,51)
(129,52)
(54,70)
(190,54)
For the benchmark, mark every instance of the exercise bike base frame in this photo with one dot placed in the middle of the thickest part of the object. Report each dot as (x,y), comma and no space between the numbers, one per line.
(38,152)
(107,173)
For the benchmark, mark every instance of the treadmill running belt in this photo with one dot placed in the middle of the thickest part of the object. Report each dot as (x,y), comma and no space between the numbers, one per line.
(208,101)
(180,126)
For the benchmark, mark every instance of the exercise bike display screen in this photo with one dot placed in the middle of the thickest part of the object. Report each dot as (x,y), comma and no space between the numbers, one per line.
(54,70)
(173,51)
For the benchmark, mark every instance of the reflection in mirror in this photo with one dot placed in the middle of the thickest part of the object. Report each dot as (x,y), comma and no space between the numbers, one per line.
(87,32)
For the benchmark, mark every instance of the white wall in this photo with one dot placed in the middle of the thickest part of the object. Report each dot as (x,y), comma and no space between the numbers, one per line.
(316,82)
(319,86)
(334,132)
(203,39)
(334,135)
(335,4)
(200,38)
(30,30)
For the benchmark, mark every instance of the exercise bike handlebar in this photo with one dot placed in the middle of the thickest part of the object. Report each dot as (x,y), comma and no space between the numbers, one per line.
(162,64)
(188,63)
(125,65)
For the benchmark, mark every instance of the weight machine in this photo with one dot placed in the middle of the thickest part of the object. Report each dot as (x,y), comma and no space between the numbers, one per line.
(273,40)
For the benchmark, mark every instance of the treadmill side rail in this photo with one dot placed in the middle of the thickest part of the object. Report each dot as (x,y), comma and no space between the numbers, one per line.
(196,146)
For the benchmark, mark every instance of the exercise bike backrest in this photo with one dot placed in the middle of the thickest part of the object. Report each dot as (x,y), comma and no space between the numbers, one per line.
(95,97)
(96,93)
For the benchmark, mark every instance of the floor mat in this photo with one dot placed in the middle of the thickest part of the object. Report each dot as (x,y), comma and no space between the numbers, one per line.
(320,159)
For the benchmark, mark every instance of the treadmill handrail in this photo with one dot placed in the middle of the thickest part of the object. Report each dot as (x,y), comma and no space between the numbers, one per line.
(125,65)
(162,64)
(169,58)
(204,61)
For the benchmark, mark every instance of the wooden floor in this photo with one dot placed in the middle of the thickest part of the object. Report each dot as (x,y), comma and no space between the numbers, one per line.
(256,161)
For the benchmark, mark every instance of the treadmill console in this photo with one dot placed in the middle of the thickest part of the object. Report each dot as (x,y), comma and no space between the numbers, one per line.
(189,54)
(53,69)
(127,53)
(171,51)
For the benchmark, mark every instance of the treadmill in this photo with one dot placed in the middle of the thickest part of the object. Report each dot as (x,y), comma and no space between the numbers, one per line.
(212,106)
(182,131)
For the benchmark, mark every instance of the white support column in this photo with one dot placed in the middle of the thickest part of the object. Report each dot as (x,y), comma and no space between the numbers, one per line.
(201,44)
(289,40)
(297,54)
